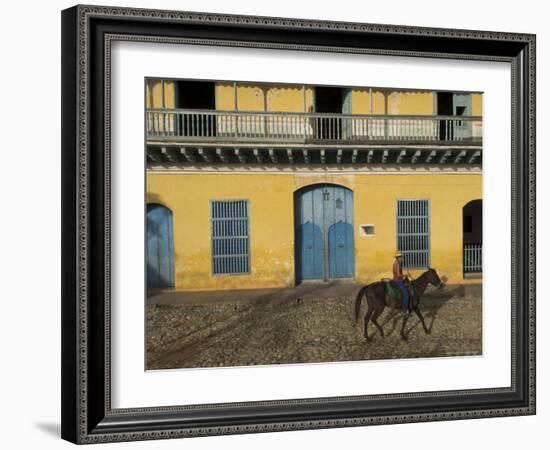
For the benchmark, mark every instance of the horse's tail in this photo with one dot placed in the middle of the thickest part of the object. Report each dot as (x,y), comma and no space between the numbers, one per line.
(358,300)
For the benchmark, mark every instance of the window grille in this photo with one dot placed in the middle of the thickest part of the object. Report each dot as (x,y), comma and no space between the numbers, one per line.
(413,232)
(230,237)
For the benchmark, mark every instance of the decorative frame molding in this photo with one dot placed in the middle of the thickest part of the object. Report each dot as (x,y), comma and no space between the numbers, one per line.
(87,35)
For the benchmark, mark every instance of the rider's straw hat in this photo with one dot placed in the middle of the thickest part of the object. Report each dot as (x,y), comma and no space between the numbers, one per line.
(398,254)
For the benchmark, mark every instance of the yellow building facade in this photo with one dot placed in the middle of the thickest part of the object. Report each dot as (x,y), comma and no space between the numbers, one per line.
(299,98)
(376,177)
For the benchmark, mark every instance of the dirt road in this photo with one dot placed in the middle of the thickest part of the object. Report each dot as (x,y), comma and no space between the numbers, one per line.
(300,330)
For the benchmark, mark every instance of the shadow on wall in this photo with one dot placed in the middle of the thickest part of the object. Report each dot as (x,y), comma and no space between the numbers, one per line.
(153,197)
(52,429)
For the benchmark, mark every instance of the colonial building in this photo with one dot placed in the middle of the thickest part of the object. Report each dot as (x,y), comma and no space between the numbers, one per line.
(255,185)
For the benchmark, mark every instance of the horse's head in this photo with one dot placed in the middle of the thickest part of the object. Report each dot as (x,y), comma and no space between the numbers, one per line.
(434,279)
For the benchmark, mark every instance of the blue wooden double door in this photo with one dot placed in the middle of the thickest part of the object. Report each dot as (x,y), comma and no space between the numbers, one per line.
(324,233)
(160,247)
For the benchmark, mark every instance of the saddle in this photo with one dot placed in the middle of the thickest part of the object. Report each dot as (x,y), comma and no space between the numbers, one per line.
(392,290)
(393,294)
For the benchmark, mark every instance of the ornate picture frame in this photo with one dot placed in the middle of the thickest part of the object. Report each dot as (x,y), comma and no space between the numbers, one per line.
(88,33)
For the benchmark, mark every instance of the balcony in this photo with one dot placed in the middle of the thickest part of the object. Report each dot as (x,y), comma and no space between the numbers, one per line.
(262,139)
(199,126)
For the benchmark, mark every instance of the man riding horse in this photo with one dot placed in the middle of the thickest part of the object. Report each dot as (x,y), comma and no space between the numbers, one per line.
(402,282)
(380,295)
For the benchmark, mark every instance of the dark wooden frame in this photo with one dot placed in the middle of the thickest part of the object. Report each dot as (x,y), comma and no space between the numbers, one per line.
(87,32)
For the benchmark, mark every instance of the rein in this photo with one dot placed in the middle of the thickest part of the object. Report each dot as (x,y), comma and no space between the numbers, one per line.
(420,284)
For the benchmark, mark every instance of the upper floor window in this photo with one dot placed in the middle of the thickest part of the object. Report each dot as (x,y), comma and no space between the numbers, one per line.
(195,95)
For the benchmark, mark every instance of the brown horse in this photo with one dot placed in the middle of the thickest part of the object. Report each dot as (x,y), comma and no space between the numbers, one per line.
(378,299)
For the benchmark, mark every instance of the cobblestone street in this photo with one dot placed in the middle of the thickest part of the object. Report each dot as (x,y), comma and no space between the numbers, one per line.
(301,325)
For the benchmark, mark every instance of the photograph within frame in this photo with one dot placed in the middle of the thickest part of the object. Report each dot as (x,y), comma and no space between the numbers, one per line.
(256,198)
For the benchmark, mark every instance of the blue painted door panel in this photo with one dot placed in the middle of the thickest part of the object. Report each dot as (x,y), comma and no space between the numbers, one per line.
(462,106)
(311,251)
(160,247)
(324,233)
(340,244)
(309,237)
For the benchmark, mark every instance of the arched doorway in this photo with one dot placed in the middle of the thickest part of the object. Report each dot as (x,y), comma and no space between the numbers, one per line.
(160,247)
(472,237)
(324,236)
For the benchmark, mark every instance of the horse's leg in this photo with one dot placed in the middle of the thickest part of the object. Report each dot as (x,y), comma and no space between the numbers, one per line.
(419,314)
(367,318)
(403,335)
(374,317)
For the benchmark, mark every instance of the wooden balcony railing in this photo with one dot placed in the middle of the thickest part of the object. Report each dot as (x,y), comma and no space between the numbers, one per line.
(230,126)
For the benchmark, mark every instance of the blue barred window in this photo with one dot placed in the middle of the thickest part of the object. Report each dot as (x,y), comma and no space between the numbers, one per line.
(230,237)
(413,233)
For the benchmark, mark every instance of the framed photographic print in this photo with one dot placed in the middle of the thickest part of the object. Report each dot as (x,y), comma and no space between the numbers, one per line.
(277,224)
